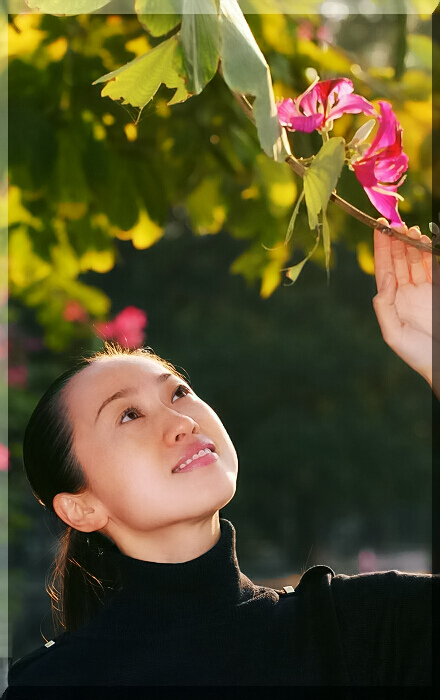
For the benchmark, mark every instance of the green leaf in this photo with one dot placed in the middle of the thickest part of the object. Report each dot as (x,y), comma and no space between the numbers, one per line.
(252,263)
(93,299)
(291,225)
(137,82)
(69,180)
(61,7)
(278,184)
(321,177)
(122,210)
(326,242)
(294,271)
(206,206)
(159,16)
(245,71)
(200,43)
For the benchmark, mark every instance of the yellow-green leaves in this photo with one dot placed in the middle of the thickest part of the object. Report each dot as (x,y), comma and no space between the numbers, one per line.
(206,206)
(245,71)
(159,16)
(137,82)
(200,43)
(293,218)
(211,30)
(321,177)
(319,182)
(294,271)
(61,7)
(70,188)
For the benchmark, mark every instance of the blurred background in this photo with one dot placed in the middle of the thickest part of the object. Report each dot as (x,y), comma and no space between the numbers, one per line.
(169,232)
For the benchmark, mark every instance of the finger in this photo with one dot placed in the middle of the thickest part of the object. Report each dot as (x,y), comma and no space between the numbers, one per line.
(383,262)
(400,261)
(429,260)
(415,258)
(432,264)
(385,309)
(398,256)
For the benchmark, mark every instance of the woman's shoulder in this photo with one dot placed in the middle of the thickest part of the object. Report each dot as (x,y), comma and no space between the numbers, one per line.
(385,622)
(386,593)
(67,656)
(28,667)
(384,583)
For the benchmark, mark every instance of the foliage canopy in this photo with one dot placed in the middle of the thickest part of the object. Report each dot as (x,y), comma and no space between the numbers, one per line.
(86,170)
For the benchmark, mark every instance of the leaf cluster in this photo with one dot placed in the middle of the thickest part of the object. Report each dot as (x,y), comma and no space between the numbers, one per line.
(87,171)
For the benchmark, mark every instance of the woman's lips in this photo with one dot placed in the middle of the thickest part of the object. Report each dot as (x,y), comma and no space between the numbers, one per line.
(199,455)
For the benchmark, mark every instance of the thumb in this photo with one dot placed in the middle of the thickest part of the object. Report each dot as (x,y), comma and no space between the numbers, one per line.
(387,289)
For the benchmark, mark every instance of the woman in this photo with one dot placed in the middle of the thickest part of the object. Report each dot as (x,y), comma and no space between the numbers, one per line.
(148,587)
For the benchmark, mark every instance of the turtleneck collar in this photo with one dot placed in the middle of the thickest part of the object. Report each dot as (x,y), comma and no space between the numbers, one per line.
(159,591)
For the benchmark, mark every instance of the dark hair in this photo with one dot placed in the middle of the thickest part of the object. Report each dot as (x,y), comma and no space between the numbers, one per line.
(81,580)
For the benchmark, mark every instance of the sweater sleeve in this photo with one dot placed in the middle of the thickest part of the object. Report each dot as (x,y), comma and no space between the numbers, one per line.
(386,622)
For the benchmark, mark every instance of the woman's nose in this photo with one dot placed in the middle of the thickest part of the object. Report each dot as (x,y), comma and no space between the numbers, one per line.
(179,427)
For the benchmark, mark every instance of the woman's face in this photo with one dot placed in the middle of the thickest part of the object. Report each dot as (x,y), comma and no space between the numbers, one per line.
(134,423)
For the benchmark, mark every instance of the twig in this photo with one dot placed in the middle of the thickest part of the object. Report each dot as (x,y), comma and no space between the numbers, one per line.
(300,170)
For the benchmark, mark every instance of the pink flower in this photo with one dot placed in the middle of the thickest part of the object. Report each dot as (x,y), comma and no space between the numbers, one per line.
(74,311)
(381,167)
(18,376)
(127,328)
(305,30)
(4,457)
(324,34)
(320,104)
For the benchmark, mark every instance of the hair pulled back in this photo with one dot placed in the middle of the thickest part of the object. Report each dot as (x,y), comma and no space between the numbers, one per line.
(81,580)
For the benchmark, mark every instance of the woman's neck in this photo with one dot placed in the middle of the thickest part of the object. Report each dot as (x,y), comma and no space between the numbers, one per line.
(176,543)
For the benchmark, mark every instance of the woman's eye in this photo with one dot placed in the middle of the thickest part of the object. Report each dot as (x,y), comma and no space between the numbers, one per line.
(130,414)
(180,392)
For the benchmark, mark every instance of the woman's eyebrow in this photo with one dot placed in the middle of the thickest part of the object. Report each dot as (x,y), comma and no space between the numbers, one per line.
(129,390)
(119,395)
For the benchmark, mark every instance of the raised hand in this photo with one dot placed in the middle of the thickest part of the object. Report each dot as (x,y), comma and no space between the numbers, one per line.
(408,283)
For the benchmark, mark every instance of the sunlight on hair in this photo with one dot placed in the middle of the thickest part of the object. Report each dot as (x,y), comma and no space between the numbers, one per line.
(112,349)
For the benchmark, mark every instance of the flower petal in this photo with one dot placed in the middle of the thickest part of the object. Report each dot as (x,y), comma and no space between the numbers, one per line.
(286,110)
(386,204)
(390,169)
(351,104)
(364,171)
(306,124)
(340,86)
(389,132)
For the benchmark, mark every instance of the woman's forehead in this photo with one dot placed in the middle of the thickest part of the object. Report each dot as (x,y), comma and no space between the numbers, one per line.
(111,373)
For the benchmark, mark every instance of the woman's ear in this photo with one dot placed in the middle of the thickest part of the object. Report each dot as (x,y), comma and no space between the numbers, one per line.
(77,511)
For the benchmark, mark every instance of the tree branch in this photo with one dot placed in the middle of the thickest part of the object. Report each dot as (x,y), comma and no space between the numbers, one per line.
(300,170)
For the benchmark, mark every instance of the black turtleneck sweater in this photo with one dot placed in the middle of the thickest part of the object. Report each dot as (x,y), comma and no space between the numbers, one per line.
(204,623)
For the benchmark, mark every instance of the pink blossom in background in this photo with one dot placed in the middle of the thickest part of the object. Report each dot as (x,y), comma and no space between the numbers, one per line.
(367,561)
(324,34)
(320,104)
(380,169)
(305,30)
(4,457)
(74,311)
(18,376)
(127,328)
